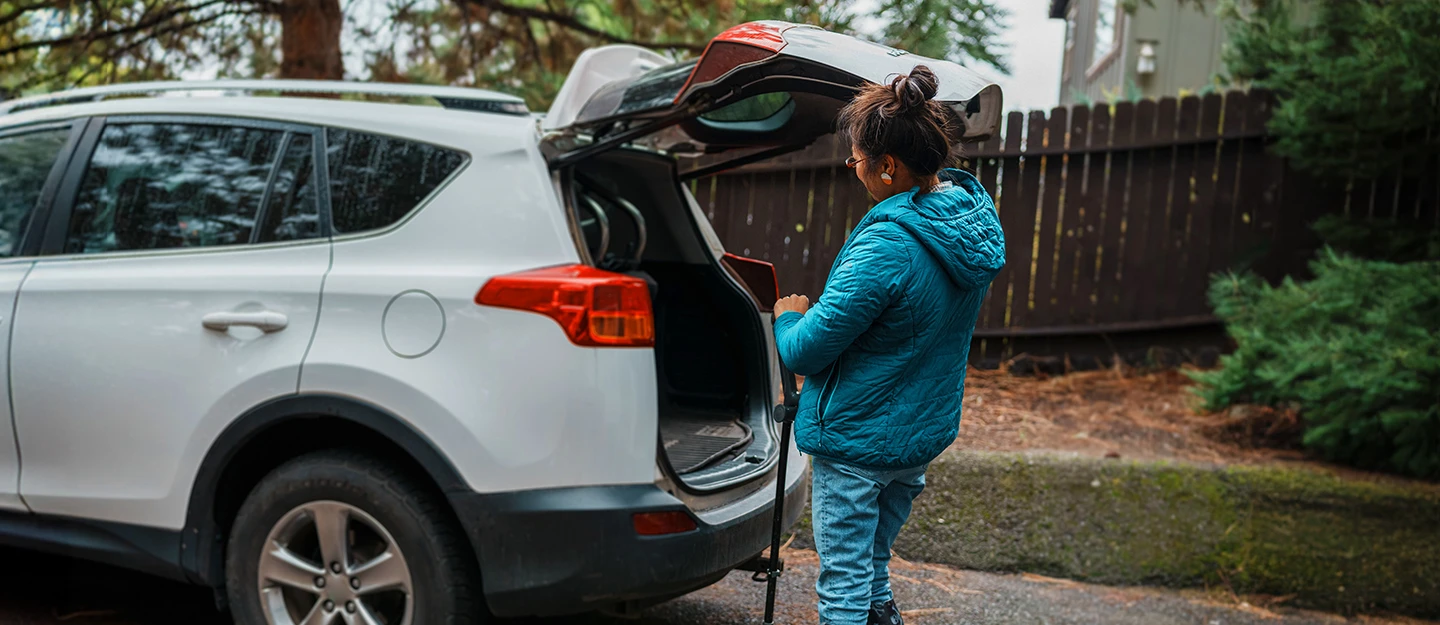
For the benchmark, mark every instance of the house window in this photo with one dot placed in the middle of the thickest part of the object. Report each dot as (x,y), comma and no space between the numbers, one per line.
(1070,21)
(1106,16)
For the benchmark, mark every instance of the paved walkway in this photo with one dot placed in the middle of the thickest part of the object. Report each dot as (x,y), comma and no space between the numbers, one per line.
(46,590)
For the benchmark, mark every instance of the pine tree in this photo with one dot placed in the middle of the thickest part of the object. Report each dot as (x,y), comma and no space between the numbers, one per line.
(1356,351)
(1358,81)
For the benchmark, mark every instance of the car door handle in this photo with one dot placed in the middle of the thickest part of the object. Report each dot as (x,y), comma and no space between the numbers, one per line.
(267,320)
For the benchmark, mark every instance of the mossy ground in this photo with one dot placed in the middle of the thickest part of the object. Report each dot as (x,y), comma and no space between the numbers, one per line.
(1333,543)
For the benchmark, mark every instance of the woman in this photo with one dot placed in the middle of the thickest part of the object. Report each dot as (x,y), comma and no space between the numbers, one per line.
(886,344)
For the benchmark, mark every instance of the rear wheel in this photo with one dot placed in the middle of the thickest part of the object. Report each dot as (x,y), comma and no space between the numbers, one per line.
(337,537)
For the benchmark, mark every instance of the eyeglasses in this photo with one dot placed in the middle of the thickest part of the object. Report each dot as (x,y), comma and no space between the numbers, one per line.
(852,162)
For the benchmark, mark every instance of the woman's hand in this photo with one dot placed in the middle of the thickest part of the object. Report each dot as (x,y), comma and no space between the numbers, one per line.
(794,303)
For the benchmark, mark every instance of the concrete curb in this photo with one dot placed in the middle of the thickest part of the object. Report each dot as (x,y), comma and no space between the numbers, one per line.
(1335,544)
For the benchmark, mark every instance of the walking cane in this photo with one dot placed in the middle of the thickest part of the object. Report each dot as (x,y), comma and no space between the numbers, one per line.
(784,414)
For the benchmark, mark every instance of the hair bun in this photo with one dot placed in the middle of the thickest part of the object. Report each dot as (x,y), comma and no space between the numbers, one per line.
(913,91)
(900,118)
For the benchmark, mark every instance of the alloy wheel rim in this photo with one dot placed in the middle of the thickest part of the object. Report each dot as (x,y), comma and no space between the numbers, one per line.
(328,562)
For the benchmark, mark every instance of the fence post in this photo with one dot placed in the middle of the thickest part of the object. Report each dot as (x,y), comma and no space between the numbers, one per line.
(1115,232)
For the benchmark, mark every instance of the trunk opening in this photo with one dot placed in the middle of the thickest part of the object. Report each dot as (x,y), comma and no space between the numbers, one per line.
(711,341)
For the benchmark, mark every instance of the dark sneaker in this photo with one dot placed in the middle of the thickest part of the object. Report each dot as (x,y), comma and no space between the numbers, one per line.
(885,614)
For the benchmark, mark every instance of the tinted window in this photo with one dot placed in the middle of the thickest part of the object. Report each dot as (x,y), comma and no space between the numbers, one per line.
(375,181)
(753,108)
(654,89)
(162,186)
(25,162)
(291,212)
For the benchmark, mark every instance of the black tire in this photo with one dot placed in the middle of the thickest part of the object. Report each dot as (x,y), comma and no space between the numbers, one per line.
(443,577)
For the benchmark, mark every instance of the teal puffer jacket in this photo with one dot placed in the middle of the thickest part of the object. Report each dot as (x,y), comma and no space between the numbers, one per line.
(884,348)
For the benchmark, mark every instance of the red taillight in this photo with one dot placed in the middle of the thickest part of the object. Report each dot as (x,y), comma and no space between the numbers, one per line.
(596,308)
(660,523)
(758,276)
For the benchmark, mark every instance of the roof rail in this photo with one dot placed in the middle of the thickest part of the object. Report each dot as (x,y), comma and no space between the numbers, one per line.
(461,98)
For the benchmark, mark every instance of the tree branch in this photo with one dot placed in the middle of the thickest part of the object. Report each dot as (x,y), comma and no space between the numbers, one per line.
(88,38)
(132,46)
(265,6)
(20,12)
(534,46)
(572,23)
(114,55)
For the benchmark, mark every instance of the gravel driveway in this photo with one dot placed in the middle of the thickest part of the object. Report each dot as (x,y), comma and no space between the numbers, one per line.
(48,590)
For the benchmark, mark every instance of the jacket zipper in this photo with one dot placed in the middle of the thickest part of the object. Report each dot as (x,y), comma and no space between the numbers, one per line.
(820,410)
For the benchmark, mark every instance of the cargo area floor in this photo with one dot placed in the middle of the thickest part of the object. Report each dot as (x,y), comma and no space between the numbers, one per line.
(697,440)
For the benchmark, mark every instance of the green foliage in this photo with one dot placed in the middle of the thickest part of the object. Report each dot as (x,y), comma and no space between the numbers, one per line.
(1393,241)
(1358,80)
(1356,350)
(946,29)
(1132,91)
(46,46)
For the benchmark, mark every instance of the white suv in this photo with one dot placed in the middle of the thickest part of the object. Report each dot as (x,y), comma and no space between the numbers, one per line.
(384,363)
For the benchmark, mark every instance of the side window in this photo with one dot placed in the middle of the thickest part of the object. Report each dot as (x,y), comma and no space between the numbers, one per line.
(25,162)
(376,181)
(161,186)
(292,211)
(1105,19)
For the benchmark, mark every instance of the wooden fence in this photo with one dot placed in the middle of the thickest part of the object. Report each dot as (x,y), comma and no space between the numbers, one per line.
(1115,218)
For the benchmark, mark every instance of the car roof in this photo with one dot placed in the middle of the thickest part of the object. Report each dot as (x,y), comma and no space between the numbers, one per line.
(464,98)
(429,124)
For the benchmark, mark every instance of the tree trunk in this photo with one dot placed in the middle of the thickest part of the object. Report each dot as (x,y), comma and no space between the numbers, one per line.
(310,40)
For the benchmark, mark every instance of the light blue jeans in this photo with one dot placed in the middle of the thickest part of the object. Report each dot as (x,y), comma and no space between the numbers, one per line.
(857,513)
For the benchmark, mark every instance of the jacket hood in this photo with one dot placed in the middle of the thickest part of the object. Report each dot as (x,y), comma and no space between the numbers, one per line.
(956,225)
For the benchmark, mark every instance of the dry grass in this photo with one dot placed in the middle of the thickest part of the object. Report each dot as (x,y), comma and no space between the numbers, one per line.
(1114,413)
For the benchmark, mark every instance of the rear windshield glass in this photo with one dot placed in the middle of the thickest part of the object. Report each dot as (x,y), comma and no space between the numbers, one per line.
(376,181)
(751,109)
(656,88)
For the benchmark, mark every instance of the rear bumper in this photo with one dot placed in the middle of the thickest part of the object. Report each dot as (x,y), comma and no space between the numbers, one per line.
(569,550)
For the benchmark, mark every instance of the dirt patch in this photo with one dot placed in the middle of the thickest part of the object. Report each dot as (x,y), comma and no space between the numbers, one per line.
(1131,414)
(1116,413)
(1140,416)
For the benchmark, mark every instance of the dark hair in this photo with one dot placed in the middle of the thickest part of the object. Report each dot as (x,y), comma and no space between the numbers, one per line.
(901,120)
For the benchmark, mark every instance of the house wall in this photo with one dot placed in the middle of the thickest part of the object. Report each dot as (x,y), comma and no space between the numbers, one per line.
(1077,58)
(1188,46)
(1106,79)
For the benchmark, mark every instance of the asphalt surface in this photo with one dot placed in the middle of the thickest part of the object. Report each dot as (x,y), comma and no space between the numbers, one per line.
(47,590)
